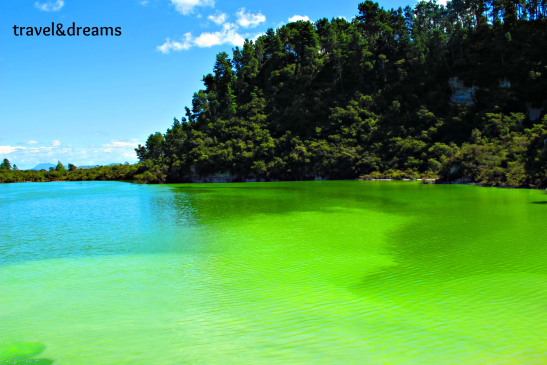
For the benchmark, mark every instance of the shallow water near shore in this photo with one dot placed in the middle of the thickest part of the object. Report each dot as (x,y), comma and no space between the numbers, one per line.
(288,272)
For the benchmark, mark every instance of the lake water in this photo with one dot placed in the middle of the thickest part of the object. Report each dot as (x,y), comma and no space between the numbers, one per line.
(289,272)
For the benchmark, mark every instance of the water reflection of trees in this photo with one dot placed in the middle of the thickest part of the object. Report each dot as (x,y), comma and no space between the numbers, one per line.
(208,203)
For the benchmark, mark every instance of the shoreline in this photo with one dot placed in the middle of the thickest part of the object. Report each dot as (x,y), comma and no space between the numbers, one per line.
(428,181)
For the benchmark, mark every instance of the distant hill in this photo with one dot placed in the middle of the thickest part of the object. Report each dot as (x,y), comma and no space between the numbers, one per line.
(46,166)
(84,167)
(43,166)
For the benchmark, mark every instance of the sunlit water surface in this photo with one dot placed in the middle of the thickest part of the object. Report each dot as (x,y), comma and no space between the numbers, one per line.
(293,272)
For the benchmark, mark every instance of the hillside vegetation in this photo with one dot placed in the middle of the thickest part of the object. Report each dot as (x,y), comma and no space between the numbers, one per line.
(456,92)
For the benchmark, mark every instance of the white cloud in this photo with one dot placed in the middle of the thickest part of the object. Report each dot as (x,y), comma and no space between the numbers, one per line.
(32,142)
(228,35)
(50,5)
(39,149)
(187,6)
(208,39)
(218,18)
(56,143)
(4,150)
(170,45)
(256,36)
(248,20)
(439,2)
(296,18)
(118,144)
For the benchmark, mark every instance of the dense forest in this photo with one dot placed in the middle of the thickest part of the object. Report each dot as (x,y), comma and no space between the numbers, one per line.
(456,92)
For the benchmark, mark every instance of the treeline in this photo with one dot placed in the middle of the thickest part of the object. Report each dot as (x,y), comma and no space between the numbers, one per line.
(457,92)
(11,174)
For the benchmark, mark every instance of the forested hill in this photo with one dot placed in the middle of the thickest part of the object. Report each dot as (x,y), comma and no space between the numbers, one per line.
(458,92)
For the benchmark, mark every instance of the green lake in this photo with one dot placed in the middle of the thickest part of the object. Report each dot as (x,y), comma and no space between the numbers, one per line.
(291,272)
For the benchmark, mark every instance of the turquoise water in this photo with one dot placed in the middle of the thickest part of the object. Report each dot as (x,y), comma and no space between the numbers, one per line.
(291,272)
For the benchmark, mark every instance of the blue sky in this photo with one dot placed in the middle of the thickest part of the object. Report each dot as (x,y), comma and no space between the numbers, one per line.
(91,100)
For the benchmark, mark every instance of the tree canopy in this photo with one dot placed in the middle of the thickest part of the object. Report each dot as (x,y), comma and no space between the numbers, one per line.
(456,92)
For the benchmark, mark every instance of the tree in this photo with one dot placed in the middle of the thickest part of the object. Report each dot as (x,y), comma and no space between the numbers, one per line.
(5,165)
(60,167)
(223,89)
